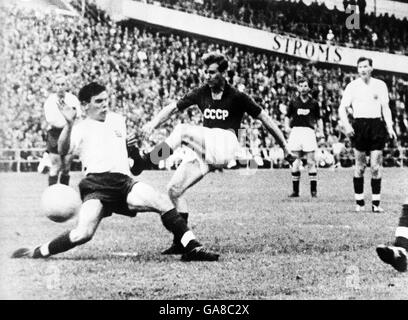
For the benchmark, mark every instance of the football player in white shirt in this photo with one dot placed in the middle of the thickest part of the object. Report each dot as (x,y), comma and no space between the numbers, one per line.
(60,165)
(100,141)
(367,97)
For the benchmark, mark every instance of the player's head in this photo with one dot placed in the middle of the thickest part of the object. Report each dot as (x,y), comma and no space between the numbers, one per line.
(95,100)
(60,84)
(364,67)
(303,86)
(216,66)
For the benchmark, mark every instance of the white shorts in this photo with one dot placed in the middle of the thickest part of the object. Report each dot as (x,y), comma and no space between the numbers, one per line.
(220,147)
(302,139)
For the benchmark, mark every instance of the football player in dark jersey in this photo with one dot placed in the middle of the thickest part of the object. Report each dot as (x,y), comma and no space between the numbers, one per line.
(303,116)
(215,143)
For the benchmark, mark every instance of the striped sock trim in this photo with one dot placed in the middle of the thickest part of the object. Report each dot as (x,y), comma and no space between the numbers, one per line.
(376,197)
(187,237)
(45,252)
(296,176)
(401,232)
(359,196)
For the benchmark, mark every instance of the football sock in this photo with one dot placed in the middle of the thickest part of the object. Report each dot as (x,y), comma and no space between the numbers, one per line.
(401,233)
(376,191)
(160,152)
(296,181)
(313,182)
(175,223)
(184,215)
(60,244)
(64,179)
(52,180)
(359,190)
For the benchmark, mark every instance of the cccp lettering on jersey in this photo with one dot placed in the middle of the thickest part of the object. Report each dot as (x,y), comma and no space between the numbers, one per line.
(303,112)
(218,114)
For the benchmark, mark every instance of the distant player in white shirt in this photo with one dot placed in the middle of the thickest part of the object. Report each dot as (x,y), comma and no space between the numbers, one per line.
(100,141)
(366,98)
(56,122)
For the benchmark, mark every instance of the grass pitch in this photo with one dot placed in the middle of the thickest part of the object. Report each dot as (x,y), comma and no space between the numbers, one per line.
(272,247)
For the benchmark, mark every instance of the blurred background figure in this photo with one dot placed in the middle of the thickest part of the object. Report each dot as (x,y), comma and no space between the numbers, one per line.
(55,103)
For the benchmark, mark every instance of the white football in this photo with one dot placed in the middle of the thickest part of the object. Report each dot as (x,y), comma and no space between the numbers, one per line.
(60,202)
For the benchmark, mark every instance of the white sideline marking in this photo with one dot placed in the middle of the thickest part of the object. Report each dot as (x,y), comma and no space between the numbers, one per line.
(125,254)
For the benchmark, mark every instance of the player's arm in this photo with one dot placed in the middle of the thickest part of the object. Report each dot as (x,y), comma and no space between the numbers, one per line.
(319,121)
(344,105)
(386,111)
(289,115)
(64,140)
(319,128)
(191,98)
(273,128)
(160,118)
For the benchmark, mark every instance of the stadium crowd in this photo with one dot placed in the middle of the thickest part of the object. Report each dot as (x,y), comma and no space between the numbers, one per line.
(144,69)
(313,22)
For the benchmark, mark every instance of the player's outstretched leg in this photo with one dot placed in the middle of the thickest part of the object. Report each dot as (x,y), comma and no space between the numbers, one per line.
(396,255)
(89,216)
(143,197)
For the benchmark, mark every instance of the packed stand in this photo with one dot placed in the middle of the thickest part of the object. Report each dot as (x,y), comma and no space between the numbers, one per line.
(313,22)
(145,70)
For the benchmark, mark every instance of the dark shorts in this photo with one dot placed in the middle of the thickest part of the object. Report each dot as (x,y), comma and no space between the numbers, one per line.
(52,140)
(369,134)
(111,189)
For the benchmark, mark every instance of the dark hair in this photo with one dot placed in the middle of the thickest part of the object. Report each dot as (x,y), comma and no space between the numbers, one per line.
(361,59)
(214,57)
(304,79)
(301,80)
(87,92)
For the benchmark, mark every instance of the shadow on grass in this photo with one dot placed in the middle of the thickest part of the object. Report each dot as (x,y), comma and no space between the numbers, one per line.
(142,257)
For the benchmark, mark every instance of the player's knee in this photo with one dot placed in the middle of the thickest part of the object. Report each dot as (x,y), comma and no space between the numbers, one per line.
(164,204)
(54,170)
(375,170)
(81,236)
(174,191)
(296,165)
(311,164)
(65,170)
(359,169)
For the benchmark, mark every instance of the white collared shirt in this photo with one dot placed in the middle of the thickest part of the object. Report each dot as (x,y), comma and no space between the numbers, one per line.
(101,146)
(367,100)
